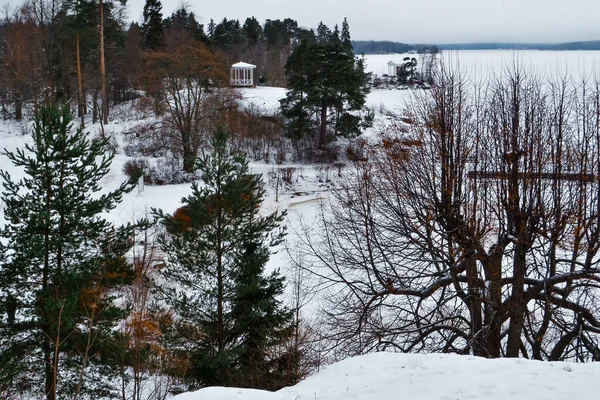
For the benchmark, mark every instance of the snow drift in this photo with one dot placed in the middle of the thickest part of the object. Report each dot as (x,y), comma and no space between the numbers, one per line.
(383,376)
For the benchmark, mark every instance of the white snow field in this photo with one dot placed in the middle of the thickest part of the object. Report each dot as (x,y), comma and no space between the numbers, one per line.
(387,376)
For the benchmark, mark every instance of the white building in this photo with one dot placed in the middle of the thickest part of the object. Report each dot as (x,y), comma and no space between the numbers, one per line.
(394,67)
(242,74)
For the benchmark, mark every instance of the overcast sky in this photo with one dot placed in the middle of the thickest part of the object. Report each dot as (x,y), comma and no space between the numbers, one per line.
(415,21)
(418,21)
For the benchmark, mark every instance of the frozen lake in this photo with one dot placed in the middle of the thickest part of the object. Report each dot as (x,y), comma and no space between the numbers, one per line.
(482,62)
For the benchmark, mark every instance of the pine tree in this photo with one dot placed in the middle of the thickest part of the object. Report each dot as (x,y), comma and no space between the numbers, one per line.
(252,31)
(81,27)
(62,262)
(296,107)
(345,35)
(228,317)
(325,80)
(335,35)
(152,27)
(211,29)
(183,19)
(228,33)
(323,33)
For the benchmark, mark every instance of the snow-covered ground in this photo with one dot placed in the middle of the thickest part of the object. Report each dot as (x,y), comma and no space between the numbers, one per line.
(376,376)
(386,376)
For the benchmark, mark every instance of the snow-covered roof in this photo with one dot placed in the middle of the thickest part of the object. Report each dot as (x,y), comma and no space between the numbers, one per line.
(243,65)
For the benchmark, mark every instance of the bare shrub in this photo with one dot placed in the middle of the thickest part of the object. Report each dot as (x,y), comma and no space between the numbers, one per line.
(167,171)
(147,140)
(287,174)
(134,169)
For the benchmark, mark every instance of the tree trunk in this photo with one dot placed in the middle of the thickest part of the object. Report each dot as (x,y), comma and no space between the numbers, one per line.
(103,67)
(474,303)
(19,107)
(189,156)
(80,100)
(220,277)
(515,327)
(95,106)
(493,306)
(323,133)
(50,383)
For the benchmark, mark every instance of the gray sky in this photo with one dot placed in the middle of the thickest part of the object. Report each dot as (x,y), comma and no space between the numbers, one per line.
(416,21)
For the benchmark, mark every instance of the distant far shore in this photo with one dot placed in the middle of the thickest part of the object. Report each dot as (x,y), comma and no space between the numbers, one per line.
(389,47)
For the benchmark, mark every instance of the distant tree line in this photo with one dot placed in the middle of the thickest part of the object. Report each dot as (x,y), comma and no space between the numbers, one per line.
(381,47)
(390,47)
(52,50)
(265,45)
(588,45)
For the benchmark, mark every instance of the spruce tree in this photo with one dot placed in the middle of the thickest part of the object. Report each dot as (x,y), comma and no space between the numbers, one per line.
(62,262)
(345,35)
(323,33)
(152,27)
(227,316)
(259,322)
(335,35)
(252,31)
(211,29)
(183,19)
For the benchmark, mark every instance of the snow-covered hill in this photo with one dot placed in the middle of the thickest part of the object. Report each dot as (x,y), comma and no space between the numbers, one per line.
(386,376)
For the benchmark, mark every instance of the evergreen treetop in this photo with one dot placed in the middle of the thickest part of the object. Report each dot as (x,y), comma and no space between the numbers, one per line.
(152,27)
(345,35)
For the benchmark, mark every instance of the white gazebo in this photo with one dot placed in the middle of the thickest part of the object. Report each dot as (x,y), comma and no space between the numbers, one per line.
(242,74)
(394,67)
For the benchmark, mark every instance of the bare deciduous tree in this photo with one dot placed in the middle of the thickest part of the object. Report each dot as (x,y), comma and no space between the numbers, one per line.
(187,79)
(477,231)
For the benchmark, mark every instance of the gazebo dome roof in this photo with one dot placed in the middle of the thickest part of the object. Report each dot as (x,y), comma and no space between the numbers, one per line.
(243,65)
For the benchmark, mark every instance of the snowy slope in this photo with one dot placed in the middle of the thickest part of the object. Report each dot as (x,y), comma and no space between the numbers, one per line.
(299,199)
(384,376)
